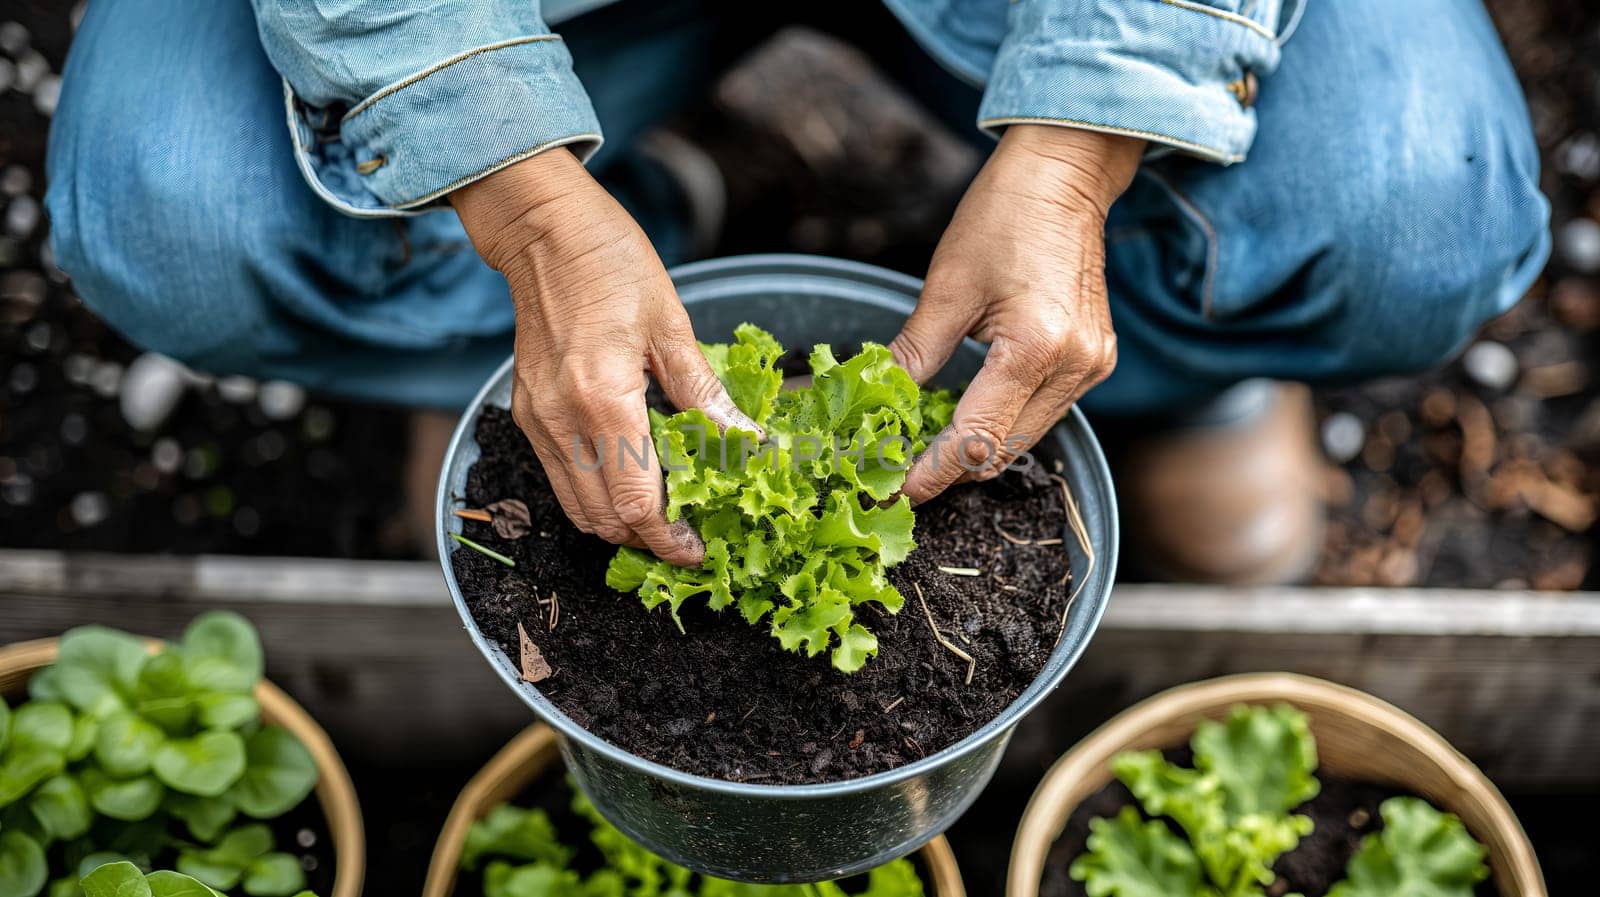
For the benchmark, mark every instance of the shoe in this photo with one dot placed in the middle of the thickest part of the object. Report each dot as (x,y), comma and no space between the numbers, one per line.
(1232,498)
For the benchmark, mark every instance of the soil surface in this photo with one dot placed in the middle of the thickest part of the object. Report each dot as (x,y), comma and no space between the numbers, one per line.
(1344,812)
(723,699)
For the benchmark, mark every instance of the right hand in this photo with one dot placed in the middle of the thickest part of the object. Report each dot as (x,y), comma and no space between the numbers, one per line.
(595,311)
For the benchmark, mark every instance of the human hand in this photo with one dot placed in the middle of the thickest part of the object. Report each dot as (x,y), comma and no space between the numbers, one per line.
(595,311)
(1021,267)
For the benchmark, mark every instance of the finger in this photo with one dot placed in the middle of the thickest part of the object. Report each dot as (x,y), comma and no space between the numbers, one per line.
(588,457)
(688,380)
(983,418)
(932,333)
(634,486)
(1039,414)
(552,460)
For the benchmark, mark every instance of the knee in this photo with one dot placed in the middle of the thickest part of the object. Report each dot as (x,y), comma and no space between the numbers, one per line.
(1449,234)
(155,245)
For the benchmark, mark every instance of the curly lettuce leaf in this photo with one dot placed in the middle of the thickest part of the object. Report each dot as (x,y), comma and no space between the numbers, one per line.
(1129,857)
(797,530)
(1420,852)
(1250,770)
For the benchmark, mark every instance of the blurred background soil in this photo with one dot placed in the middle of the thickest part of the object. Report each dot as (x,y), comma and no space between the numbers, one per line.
(1482,473)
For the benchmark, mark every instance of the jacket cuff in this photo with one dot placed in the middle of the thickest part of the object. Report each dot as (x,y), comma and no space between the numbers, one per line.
(411,143)
(1170,71)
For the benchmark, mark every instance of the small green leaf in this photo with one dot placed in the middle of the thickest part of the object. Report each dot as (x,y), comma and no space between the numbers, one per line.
(23,871)
(164,695)
(164,883)
(279,773)
(513,833)
(1420,852)
(1264,758)
(85,732)
(97,859)
(97,668)
(207,764)
(129,800)
(205,817)
(126,744)
(118,879)
(61,808)
(223,866)
(274,875)
(222,652)
(22,769)
(41,725)
(66,886)
(1128,857)
(221,710)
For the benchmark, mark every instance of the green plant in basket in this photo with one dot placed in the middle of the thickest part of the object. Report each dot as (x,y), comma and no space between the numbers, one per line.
(126,756)
(1233,808)
(799,529)
(527,858)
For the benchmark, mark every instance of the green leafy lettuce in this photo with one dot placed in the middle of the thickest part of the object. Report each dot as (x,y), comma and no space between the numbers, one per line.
(800,528)
(1233,809)
(122,754)
(530,860)
(1420,852)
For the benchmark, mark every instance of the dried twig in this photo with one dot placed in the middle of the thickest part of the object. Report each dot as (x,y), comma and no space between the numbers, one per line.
(555,610)
(972,665)
(895,703)
(1008,537)
(1081,531)
(962,571)
(483,551)
(472,514)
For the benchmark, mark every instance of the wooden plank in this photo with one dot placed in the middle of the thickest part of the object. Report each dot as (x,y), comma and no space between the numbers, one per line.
(376,650)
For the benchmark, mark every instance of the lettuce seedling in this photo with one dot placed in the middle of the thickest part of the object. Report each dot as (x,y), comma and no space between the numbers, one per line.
(541,864)
(124,754)
(800,529)
(1233,810)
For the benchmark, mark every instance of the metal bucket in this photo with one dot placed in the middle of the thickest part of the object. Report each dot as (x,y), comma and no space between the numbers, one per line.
(803,833)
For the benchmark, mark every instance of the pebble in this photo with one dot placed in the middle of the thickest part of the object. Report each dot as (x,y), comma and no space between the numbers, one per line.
(32,67)
(106,379)
(77,367)
(1343,436)
(1491,365)
(90,508)
(22,216)
(1578,242)
(1579,156)
(18,489)
(236,389)
(166,455)
(24,377)
(15,180)
(306,838)
(47,95)
(14,38)
(74,429)
(38,337)
(281,400)
(151,389)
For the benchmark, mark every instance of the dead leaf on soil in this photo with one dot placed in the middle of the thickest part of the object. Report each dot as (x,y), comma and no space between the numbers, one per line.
(534,667)
(510,518)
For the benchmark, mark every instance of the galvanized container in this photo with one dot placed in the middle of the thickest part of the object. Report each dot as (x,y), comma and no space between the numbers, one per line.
(770,833)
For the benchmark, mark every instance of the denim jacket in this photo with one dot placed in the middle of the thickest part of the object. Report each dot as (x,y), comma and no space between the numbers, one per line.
(390,110)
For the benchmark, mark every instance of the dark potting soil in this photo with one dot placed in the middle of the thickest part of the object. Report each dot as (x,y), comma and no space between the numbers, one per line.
(1344,812)
(723,699)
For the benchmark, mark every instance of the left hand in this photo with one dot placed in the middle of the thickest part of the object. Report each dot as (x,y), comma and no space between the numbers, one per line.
(1021,267)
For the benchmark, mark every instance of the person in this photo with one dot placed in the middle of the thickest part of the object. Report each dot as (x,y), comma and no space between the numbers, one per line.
(1180,199)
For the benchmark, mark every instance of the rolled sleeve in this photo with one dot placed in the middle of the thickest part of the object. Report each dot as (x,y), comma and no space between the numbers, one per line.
(391,109)
(1179,74)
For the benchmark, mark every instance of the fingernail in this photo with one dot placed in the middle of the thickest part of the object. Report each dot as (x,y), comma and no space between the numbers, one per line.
(722,407)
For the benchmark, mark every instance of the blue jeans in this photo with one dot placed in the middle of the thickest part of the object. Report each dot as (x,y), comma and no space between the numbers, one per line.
(1388,207)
